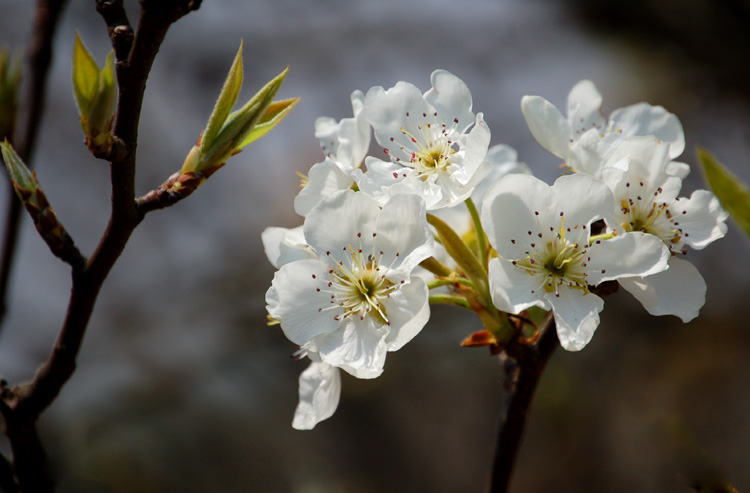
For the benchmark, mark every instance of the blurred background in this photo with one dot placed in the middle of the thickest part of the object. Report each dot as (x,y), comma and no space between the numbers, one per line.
(181,386)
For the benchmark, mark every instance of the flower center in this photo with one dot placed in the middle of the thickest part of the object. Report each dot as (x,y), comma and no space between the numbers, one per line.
(652,217)
(358,285)
(557,262)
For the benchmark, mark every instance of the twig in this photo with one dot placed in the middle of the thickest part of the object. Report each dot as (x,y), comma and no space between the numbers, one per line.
(40,55)
(23,404)
(524,367)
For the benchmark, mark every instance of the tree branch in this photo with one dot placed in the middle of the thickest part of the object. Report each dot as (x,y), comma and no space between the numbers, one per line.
(23,403)
(40,55)
(524,366)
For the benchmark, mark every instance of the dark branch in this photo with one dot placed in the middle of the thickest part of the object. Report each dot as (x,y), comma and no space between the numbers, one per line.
(40,55)
(524,366)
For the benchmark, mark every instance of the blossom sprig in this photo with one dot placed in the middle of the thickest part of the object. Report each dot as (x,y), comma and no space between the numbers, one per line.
(507,247)
(95,93)
(34,200)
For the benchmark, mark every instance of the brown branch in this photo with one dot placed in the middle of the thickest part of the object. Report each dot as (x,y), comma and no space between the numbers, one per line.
(40,55)
(23,404)
(524,366)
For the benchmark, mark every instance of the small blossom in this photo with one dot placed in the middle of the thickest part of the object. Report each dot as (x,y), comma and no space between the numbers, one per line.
(586,139)
(358,298)
(344,144)
(435,144)
(646,199)
(542,235)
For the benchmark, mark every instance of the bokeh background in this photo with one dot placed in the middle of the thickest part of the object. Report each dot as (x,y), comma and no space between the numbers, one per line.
(181,386)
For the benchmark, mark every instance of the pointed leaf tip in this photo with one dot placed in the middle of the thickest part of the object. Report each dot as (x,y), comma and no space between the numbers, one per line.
(733,194)
(226,101)
(85,76)
(275,112)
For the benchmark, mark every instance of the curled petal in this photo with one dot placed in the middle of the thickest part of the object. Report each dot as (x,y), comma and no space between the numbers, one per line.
(576,316)
(319,393)
(548,126)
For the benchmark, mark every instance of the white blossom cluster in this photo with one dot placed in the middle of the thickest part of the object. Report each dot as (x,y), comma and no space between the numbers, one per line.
(349,286)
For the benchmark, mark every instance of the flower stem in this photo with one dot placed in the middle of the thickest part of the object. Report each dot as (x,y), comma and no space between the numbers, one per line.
(524,365)
(449,299)
(479,230)
(607,236)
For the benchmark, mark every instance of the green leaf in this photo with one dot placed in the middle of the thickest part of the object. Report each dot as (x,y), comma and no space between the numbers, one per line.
(102,105)
(228,96)
(240,123)
(85,77)
(273,115)
(733,194)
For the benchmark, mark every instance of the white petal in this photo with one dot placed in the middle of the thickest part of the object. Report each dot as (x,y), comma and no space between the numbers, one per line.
(358,347)
(354,134)
(576,316)
(408,310)
(547,125)
(508,213)
(344,218)
(283,245)
(582,200)
(678,169)
(644,119)
(324,179)
(501,160)
(679,291)
(647,157)
(626,255)
(402,228)
(475,147)
(700,219)
(451,98)
(319,393)
(401,107)
(379,178)
(513,289)
(584,107)
(294,300)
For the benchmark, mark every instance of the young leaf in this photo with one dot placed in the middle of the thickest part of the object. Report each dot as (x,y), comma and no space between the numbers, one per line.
(273,115)
(733,194)
(85,76)
(228,96)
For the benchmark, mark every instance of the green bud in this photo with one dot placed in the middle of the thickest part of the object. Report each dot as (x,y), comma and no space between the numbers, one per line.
(228,132)
(95,95)
(10,80)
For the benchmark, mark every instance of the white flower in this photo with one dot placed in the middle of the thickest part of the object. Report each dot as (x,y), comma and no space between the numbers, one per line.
(284,245)
(319,393)
(358,299)
(542,236)
(585,140)
(345,145)
(436,144)
(646,198)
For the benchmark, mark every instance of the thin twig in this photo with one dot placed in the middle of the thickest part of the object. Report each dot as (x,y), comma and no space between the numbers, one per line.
(40,55)
(524,366)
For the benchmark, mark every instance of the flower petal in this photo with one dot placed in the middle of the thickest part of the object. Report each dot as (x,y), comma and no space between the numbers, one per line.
(403,234)
(576,316)
(644,119)
(283,245)
(319,394)
(344,218)
(357,347)
(582,200)
(547,125)
(584,108)
(294,300)
(450,96)
(324,179)
(700,218)
(408,310)
(509,213)
(627,255)
(512,289)
(679,291)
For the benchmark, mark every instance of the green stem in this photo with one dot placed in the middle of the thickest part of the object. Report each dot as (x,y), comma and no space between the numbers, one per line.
(449,299)
(481,237)
(436,267)
(450,282)
(607,236)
